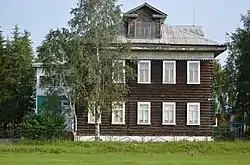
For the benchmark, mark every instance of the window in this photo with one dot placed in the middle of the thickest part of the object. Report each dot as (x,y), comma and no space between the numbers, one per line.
(119,73)
(193,113)
(169,72)
(143,113)
(118,113)
(91,113)
(144,72)
(144,29)
(169,113)
(193,72)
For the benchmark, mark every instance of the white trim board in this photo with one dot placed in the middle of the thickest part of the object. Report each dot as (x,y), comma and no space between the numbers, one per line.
(145,138)
(153,55)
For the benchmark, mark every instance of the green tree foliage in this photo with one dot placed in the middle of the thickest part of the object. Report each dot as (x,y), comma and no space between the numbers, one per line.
(44,126)
(4,71)
(81,60)
(237,69)
(4,74)
(219,89)
(98,22)
(56,53)
(17,77)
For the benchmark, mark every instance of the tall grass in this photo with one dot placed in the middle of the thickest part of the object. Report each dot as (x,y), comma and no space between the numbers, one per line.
(126,147)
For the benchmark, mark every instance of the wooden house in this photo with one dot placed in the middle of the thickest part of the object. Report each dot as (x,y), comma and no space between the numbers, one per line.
(171,99)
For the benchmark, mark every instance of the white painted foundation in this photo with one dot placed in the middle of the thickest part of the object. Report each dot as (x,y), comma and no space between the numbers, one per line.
(145,138)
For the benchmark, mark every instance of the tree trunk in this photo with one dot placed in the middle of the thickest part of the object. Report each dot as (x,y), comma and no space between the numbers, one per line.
(97,108)
(97,126)
(73,120)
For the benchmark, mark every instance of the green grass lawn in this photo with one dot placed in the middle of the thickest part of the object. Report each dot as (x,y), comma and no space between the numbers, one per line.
(118,153)
(121,159)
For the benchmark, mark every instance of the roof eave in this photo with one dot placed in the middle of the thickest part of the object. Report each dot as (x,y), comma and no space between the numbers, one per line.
(217,49)
(147,5)
(220,49)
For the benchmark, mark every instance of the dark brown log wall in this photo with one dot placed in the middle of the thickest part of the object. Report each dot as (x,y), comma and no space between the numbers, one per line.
(156,93)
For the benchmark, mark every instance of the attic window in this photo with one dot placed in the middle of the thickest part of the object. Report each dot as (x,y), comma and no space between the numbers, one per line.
(144,29)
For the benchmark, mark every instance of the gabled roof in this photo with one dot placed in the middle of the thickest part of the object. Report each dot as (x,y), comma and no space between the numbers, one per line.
(145,5)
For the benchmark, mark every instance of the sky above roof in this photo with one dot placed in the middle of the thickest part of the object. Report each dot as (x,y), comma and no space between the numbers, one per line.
(216,16)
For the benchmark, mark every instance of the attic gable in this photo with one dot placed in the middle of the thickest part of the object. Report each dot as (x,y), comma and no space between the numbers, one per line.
(155,12)
(144,21)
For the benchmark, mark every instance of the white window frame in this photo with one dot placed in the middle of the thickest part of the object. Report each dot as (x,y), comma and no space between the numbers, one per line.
(150,29)
(90,114)
(164,70)
(149,72)
(163,113)
(123,71)
(195,104)
(188,67)
(149,113)
(114,115)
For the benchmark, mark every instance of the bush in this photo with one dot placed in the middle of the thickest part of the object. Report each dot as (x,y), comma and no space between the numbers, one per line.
(222,133)
(44,126)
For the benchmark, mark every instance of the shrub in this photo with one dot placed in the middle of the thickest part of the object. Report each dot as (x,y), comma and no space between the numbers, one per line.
(44,126)
(222,133)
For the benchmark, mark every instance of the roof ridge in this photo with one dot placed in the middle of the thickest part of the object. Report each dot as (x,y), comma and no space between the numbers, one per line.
(194,35)
(149,6)
(188,25)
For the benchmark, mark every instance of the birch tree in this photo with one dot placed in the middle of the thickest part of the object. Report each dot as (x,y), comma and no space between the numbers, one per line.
(85,60)
(98,22)
(55,54)
(220,93)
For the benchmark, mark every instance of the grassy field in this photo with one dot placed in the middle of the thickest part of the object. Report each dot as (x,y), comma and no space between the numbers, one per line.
(68,153)
(120,159)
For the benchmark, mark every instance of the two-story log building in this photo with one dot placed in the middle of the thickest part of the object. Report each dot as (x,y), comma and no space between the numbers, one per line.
(171,99)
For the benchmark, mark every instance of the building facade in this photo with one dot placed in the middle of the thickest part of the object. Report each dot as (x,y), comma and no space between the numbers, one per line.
(42,99)
(171,98)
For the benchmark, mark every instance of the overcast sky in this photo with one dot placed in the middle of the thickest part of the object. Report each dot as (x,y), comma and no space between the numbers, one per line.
(39,16)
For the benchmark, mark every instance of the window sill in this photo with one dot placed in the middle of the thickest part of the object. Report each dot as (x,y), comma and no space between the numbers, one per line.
(168,123)
(143,123)
(193,124)
(193,83)
(169,83)
(143,82)
(123,123)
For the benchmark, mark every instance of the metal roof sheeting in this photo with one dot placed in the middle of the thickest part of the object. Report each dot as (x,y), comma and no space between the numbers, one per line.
(191,28)
(172,35)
